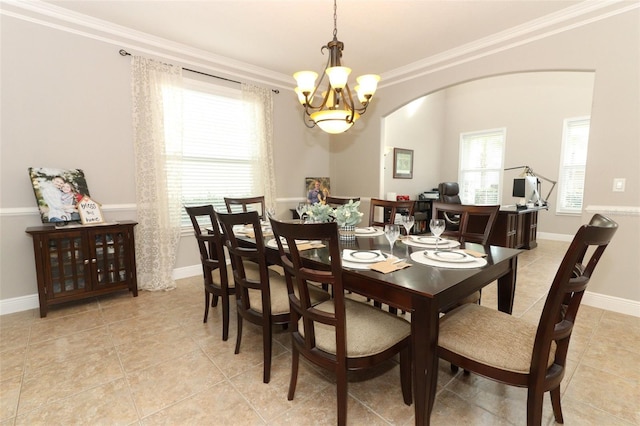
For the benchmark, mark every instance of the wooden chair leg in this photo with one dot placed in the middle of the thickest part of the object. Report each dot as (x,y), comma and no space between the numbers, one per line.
(266,347)
(295,359)
(206,306)
(341,384)
(214,301)
(555,403)
(239,334)
(534,407)
(225,318)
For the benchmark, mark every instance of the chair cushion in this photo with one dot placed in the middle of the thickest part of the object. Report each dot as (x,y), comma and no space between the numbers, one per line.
(369,330)
(490,337)
(215,276)
(280,295)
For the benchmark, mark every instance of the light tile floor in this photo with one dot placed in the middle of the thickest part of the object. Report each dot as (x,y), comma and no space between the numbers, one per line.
(119,360)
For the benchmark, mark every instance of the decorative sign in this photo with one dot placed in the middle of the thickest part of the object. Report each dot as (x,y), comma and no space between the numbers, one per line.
(89,211)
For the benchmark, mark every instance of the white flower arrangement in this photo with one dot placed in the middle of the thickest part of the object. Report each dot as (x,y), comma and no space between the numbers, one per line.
(319,213)
(348,214)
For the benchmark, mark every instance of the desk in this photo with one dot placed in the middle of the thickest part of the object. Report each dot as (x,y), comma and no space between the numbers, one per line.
(423,291)
(516,228)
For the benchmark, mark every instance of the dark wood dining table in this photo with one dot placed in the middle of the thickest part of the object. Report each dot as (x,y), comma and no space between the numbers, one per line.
(423,291)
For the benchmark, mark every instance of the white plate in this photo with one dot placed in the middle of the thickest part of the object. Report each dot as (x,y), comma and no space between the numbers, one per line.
(449,256)
(363,256)
(369,230)
(430,242)
(427,240)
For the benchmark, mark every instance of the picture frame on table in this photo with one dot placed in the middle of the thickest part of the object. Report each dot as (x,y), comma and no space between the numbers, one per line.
(57,193)
(317,189)
(402,163)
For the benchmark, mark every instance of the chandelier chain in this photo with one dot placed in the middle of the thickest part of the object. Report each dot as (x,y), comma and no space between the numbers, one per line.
(335,19)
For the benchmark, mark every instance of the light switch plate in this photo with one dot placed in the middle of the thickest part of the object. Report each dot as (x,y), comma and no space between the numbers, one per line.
(618,184)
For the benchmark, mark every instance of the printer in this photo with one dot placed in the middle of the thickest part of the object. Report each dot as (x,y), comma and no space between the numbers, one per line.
(429,195)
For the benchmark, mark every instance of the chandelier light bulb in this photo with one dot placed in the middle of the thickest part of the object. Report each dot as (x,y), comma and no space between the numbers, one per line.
(306,80)
(368,84)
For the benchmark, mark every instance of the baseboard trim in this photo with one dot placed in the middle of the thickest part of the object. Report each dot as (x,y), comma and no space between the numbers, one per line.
(597,300)
(612,303)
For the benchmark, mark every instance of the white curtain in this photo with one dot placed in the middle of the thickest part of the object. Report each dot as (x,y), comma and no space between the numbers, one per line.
(157,127)
(258,107)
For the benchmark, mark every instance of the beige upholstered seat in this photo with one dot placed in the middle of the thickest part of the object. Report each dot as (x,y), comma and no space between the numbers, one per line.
(368,332)
(509,350)
(338,334)
(503,342)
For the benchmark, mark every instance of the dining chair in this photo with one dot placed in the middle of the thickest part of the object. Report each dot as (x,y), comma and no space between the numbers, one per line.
(387,209)
(475,223)
(339,334)
(262,299)
(338,201)
(449,192)
(235,205)
(218,277)
(511,350)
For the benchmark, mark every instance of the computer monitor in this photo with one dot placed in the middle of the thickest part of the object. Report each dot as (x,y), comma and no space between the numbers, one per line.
(526,188)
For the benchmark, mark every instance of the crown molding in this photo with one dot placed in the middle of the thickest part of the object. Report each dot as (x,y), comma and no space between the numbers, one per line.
(564,20)
(57,17)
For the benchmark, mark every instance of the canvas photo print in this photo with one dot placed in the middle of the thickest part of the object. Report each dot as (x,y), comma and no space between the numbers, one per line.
(317,189)
(57,193)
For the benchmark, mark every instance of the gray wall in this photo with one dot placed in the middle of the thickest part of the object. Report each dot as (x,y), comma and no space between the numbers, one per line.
(611,48)
(66,103)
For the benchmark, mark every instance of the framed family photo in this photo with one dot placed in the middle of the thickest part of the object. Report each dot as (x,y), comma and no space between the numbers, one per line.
(402,163)
(317,189)
(58,192)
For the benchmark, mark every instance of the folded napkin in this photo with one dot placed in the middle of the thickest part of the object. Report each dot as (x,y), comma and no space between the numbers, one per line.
(308,246)
(265,233)
(474,253)
(389,265)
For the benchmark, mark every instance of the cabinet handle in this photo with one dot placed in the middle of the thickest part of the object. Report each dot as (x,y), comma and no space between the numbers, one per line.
(93,261)
(86,261)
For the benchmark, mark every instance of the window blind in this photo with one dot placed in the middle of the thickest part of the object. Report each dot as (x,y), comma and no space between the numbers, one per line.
(481,163)
(218,155)
(573,161)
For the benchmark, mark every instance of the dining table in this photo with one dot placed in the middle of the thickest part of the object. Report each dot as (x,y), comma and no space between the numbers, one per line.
(421,290)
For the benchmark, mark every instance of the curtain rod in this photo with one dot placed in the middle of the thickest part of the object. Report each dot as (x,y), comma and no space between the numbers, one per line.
(125,53)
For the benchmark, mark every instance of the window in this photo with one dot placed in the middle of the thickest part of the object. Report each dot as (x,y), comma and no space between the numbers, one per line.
(218,155)
(573,162)
(481,160)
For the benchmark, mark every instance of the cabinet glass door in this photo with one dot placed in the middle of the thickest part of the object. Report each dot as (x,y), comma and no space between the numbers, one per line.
(66,260)
(111,262)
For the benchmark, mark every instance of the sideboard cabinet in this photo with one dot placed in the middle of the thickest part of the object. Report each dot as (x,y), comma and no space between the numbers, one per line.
(83,261)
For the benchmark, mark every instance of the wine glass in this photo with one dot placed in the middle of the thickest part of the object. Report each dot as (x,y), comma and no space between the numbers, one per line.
(271,212)
(391,231)
(301,209)
(437,228)
(407,221)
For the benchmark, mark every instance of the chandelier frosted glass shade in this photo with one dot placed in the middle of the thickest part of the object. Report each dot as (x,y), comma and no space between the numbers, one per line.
(336,110)
(334,121)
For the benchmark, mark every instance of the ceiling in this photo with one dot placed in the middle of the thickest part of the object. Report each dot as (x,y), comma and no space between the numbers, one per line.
(284,36)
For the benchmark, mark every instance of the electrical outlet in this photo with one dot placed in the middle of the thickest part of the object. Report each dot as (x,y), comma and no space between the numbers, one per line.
(618,184)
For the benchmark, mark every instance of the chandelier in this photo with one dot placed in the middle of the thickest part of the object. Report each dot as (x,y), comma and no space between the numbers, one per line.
(337,111)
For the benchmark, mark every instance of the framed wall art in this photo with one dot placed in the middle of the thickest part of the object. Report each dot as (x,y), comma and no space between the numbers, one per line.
(57,193)
(402,163)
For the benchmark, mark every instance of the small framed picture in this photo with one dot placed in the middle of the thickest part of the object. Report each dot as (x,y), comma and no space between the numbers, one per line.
(402,163)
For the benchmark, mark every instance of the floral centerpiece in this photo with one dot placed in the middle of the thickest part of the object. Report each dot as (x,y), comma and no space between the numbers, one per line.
(319,213)
(348,216)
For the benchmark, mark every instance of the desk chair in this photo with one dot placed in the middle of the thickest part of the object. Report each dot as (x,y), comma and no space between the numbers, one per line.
(246,204)
(510,350)
(449,192)
(339,334)
(379,207)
